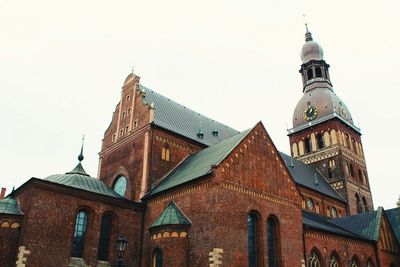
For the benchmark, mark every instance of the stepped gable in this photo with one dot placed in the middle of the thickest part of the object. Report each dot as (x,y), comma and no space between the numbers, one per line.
(179,119)
(307,176)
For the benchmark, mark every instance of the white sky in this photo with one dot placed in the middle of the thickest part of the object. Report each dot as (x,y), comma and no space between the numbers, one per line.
(62,65)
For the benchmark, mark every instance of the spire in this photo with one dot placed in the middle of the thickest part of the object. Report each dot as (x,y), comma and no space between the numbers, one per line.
(80,157)
(308,34)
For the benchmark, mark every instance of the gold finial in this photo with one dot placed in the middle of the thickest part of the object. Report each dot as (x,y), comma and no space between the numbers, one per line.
(132,68)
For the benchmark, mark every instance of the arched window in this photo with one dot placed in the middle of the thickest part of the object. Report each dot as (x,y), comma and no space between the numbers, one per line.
(104,240)
(307,145)
(334,260)
(370,263)
(79,234)
(320,141)
(365,204)
(358,204)
(165,152)
(351,170)
(314,260)
(253,240)
(346,167)
(355,262)
(360,177)
(330,174)
(334,212)
(120,185)
(318,72)
(273,242)
(309,74)
(157,258)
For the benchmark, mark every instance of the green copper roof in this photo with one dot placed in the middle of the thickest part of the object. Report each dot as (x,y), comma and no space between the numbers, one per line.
(181,120)
(366,224)
(198,164)
(78,178)
(9,205)
(308,176)
(172,215)
(394,219)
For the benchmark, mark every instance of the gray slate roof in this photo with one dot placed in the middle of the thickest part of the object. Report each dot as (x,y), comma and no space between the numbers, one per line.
(394,219)
(172,215)
(319,222)
(305,175)
(78,178)
(184,121)
(198,164)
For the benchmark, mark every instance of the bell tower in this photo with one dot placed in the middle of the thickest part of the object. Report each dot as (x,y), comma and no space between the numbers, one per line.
(324,135)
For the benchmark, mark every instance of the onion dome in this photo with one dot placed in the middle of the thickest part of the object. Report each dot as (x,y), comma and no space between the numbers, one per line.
(324,104)
(9,205)
(311,50)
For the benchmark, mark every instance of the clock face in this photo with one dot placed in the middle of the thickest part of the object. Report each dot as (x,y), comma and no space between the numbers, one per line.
(310,113)
(310,204)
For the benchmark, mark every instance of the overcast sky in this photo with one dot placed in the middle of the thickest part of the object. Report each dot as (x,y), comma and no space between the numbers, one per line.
(62,65)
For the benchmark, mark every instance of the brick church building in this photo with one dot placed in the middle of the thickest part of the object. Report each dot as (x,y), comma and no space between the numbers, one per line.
(186,190)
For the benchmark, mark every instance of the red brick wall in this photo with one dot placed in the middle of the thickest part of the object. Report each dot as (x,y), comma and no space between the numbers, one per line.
(252,178)
(179,149)
(50,222)
(323,201)
(9,239)
(346,248)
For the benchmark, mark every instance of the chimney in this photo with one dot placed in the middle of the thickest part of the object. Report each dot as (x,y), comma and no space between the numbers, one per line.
(2,193)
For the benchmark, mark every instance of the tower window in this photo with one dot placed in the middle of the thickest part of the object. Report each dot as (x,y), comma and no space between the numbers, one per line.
(129,110)
(365,204)
(307,145)
(330,175)
(309,74)
(320,141)
(318,72)
(351,170)
(358,204)
(128,98)
(123,114)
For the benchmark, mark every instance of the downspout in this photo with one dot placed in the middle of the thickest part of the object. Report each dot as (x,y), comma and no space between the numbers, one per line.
(378,262)
(142,237)
(305,228)
(188,250)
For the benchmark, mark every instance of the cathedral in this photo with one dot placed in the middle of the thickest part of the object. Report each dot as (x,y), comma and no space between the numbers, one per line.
(173,192)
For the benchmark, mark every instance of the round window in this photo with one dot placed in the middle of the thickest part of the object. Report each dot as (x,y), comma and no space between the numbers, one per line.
(120,185)
(310,204)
